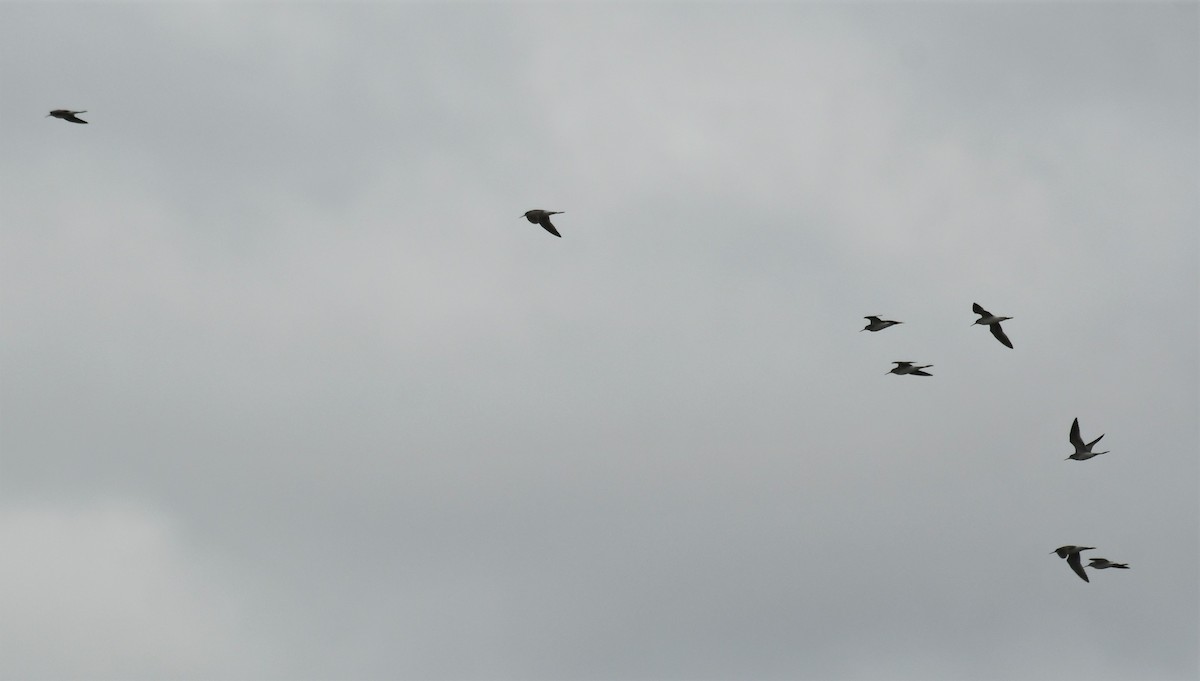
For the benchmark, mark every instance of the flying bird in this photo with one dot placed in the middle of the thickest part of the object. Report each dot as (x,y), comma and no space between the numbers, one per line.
(1104,564)
(542,217)
(992,322)
(67,115)
(877,324)
(1083,452)
(903,368)
(1071,553)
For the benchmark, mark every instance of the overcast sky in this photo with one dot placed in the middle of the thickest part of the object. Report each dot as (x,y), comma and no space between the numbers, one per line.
(289,391)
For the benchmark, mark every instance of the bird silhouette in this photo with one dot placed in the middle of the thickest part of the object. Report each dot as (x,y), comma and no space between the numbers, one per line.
(67,115)
(1083,452)
(992,322)
(903,368)
(874,323)
(542,217)
(1071,553)
(1104,564)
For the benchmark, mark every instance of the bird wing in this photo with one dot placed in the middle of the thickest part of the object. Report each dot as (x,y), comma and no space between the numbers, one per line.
(1089,445)
(999,334)
(1077,565)
(545,223)
(979,309)
(1075,439)
(873,319)
(919,372)
(68,115)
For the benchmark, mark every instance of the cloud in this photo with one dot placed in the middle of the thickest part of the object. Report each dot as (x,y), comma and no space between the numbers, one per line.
(365,417)
(110,590)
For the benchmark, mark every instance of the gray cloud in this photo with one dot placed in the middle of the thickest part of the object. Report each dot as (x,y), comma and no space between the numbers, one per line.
(111,588)
(276,298)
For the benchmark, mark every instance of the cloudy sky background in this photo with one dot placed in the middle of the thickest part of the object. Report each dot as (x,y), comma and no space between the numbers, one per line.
(287,390)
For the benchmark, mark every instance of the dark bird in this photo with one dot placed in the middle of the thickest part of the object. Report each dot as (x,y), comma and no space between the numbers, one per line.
(1104,564)
(542,217)
(877,324)
(1071,553)
(1083,452)
(992,322)
(67,115)
(903,368)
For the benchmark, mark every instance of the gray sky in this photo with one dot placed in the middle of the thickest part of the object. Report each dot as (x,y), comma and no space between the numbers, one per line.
(288,391)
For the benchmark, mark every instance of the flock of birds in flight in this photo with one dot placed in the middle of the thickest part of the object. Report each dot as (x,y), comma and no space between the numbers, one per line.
(1083,451)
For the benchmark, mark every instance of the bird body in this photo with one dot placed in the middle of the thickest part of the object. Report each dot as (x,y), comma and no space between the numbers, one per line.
(874,323)
(67,115)
(1104,564)
(542,217)
(1071,553)
(992,322)
(903,368)
(1083,452)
